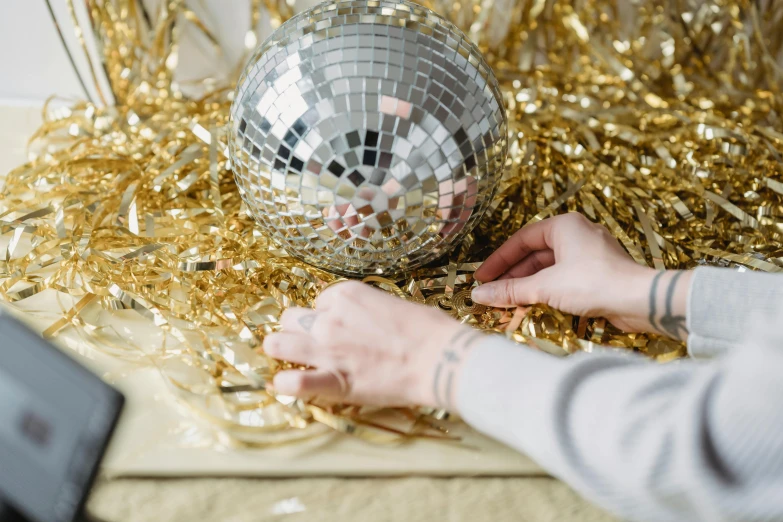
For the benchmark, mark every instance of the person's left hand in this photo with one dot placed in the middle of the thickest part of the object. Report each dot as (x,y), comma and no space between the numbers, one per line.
(368,347)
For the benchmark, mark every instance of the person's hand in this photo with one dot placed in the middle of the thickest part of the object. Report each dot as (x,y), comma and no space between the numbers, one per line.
(369,347)
(576,266)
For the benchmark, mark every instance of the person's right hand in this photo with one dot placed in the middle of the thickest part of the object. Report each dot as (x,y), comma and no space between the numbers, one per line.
(576,266)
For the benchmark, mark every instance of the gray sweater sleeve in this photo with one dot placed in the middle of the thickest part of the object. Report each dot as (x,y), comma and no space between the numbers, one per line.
(724,305)
(689,440)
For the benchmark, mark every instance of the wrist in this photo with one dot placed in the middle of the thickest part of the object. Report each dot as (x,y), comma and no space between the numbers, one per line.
(638,307)
(653,301)
(441,372)
(668,303)
(627,300)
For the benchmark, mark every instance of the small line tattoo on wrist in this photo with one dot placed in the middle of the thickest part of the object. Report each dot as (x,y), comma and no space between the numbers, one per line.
(653,291)
(673,324)
(475,336)
(669,324)
(458,335)
(443,378)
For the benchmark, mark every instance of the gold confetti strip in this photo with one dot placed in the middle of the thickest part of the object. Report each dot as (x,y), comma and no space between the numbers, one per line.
(659,119)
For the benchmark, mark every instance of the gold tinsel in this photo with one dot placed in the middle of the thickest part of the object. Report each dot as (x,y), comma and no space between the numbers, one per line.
(660,120)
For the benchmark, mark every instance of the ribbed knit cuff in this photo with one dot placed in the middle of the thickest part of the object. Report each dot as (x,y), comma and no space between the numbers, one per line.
(722,307)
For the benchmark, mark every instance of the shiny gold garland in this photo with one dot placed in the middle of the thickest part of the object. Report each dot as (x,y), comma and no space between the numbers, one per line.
(660,120)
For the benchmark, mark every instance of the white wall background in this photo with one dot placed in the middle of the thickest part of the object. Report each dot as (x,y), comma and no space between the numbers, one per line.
(34,64)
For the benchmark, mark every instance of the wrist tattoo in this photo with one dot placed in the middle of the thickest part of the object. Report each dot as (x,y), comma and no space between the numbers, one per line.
(653,298)
(443,378)
(674,325)
(669,324)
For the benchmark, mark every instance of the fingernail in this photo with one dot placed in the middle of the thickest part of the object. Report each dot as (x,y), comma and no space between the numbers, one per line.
(482,294)
(287,383)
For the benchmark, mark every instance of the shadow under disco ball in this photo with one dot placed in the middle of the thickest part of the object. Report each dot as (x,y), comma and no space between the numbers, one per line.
(367,137)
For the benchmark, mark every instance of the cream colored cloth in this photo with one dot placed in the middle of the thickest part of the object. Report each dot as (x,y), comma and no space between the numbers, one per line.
(529,499)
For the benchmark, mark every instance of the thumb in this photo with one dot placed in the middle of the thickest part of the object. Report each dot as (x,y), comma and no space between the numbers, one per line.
(533,289)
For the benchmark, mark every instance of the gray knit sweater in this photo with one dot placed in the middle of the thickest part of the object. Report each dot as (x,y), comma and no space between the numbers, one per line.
(699,439)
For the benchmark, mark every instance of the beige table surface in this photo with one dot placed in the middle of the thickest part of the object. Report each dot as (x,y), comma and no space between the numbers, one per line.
(322,499)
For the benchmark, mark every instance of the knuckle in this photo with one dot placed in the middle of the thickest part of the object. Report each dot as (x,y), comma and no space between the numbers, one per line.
(601,231)
(329,326)
(508,293)
(343,291)
(334,322)
(577,219)
(518,295)
(290,317)
(349,287)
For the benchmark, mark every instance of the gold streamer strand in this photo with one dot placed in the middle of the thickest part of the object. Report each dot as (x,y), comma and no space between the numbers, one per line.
(661,120)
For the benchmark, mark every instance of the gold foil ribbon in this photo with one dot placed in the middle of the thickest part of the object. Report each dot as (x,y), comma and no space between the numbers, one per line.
(659,119)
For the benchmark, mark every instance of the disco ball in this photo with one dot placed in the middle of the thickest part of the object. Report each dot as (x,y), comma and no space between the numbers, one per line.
(367,137)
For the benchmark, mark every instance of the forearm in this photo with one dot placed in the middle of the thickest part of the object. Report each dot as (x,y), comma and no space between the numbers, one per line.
(654,301)
(713,308)
(636,437)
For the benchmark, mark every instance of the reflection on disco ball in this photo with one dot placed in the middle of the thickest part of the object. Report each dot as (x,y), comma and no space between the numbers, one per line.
(367,137)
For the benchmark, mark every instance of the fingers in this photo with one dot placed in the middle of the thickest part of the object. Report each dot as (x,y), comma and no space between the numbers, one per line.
(325,329)
(532,264)
(361,345)
(343,313)
(526,240)
(293,347)
(298,320)
(513,292)
(538,236)
(347,295)
(308,383)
